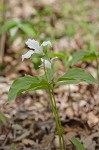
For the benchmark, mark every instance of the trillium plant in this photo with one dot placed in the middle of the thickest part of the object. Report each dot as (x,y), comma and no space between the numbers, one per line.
(47,80)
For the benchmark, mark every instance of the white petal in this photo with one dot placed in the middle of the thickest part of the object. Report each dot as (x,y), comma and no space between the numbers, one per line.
(27,55)
(54,58)
(46,62)
(38,51)
(33,44)
(45,43)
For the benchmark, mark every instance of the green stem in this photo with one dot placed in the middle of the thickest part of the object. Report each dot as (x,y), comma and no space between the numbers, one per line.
(56,115)
(56,108)
(57,120)
(62,138)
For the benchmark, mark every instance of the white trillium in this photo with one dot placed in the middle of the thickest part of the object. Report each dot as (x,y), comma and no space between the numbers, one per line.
(36,48)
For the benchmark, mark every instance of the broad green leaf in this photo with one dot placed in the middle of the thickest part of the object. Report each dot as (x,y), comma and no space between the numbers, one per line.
(41,85)
(77,75)
(25,84)
(83,56)
(50,73)
(27,29)
(91,57)
(77,56)
(78,145)
(66,83)
(3,119)
(8,25)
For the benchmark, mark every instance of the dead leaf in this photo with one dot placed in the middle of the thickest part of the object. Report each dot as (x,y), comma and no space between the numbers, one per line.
(28,142)
(92,119)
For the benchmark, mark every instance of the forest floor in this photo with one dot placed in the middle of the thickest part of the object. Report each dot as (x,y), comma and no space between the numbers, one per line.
(72,26)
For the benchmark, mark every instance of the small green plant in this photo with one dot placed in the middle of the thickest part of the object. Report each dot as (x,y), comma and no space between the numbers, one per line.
(47,81)
(77,144)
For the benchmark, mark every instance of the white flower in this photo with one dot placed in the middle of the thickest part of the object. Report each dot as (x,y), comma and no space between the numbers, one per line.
(34,45)
(27,55)
(45,43)
(47,63)
(36,48)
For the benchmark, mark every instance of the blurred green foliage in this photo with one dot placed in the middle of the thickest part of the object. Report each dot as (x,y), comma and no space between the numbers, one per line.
(75,18)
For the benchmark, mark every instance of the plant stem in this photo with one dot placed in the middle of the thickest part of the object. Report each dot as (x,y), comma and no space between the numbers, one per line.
(59,128)
(55,112)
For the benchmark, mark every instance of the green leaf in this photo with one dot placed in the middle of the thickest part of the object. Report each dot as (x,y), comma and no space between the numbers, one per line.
(50,73)
(91,57)
(3,119)
(66,83)
(83,56)
(41,85)
(77,75)
(77,144)
(24,84)
(77,56)
(27,29)
(8,25)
